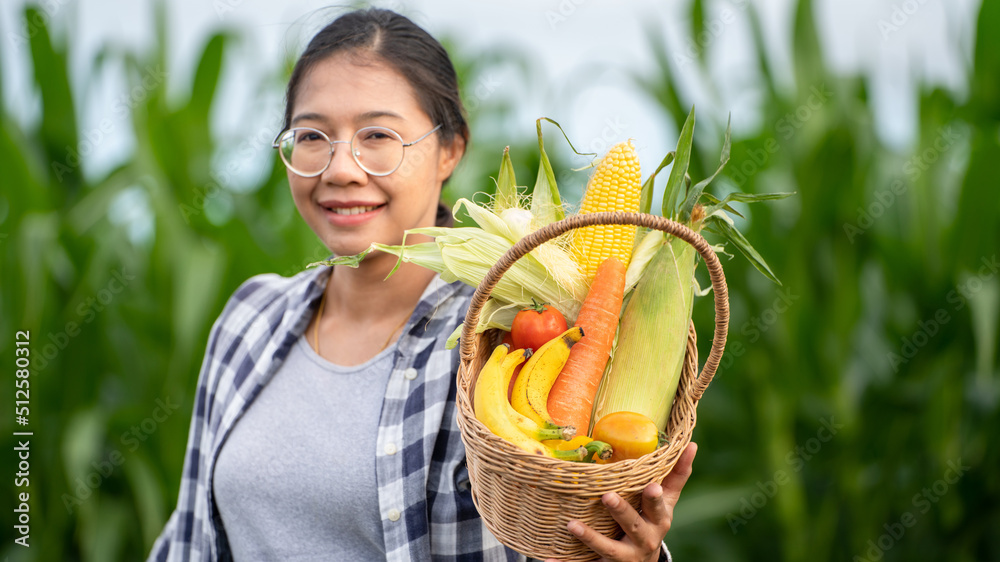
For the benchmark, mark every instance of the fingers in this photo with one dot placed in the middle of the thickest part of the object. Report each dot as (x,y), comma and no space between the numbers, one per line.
(653,507)
(643,535)
(658,500)
(602,545)
(674,482)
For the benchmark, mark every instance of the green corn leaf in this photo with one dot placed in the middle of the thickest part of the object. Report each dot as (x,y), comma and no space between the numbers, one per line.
(698,27)
(58,115)
(724,227)
(506,195)
(756,197)
(207,76)
(646,195)
(676,187)
(715,204)
(546,205)
(695,194)
(738,197)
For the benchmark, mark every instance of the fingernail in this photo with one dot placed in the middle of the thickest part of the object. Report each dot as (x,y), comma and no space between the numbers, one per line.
(656,491)
(610,500)
(575,527)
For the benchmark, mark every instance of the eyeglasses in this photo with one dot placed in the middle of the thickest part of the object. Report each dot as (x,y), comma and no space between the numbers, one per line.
(308,152)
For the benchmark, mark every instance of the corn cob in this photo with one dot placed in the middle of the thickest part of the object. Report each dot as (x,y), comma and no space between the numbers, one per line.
(615,186)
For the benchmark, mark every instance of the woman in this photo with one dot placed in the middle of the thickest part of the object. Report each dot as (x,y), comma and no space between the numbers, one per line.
(324,421)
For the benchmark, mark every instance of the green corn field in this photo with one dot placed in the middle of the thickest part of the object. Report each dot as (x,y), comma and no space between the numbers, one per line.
(856,415)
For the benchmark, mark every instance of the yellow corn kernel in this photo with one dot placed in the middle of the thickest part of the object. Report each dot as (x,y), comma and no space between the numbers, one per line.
(615,186)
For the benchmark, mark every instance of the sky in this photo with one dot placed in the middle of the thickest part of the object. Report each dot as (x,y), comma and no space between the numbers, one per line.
(895,42)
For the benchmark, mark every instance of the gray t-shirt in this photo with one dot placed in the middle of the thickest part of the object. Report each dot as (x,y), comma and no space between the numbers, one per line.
(295,479)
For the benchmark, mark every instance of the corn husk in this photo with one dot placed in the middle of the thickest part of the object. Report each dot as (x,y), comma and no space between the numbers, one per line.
(467,253)
(515,223)
(646,245)
(652,337)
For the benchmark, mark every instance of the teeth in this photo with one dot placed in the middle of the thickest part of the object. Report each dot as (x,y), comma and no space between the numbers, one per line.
(353,210)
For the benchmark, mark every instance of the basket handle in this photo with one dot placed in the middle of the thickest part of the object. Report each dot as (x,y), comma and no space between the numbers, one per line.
(548,232)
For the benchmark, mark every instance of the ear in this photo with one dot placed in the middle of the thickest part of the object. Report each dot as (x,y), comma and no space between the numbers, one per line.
(451,155)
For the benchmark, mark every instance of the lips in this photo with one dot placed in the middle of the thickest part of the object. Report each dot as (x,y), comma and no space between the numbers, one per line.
(348,213)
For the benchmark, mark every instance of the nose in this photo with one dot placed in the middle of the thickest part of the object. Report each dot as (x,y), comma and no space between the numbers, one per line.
(343,169)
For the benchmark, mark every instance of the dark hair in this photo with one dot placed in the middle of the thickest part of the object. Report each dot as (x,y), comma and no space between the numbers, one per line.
(403,45)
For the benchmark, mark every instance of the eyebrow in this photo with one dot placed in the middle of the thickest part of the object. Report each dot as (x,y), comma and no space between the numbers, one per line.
(309,116)
(370,115)
(366,116)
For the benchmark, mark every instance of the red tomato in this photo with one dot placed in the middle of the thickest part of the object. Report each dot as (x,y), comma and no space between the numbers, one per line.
(534,326)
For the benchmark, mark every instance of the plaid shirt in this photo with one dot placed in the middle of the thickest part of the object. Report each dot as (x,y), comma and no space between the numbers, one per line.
(423,494)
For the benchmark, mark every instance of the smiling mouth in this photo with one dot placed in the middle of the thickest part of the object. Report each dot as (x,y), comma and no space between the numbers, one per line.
(352,210)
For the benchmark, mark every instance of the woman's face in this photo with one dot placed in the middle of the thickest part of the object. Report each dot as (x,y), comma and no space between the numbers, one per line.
(345,206)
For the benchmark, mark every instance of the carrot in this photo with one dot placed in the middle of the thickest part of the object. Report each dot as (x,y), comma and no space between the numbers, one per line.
(572,396)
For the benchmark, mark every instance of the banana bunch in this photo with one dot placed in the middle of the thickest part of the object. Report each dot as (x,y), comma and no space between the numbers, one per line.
(524,421)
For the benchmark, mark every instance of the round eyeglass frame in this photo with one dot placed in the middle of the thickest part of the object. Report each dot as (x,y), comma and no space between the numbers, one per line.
(276,143)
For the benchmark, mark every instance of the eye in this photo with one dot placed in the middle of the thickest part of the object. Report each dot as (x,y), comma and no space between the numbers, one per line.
(377,135)
(308,136)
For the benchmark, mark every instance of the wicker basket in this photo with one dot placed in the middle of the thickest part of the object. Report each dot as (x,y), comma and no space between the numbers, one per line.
(526,500)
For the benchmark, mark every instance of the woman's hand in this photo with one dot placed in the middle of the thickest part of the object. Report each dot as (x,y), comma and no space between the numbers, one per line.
(644,530)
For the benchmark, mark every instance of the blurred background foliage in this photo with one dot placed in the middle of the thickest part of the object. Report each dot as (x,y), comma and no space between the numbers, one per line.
(847,399)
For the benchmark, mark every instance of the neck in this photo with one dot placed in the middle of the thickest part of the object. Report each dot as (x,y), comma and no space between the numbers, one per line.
(363,294)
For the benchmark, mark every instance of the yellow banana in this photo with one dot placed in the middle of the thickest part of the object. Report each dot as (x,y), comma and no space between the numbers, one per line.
(490,397)
(528,426)
(531,390)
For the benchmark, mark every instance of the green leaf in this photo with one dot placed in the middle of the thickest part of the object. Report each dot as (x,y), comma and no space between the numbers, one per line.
(506,195)
(58,128)
(719,225)
(674,193)
(646,195)
(716,204)
(425,254)
(82,442)
(196,286)
(738,197)
(207,75)
(757,197)
(546,205)
(984,309)
(985,81)
(695,194)
(698,27)
(148,501)
(349,261)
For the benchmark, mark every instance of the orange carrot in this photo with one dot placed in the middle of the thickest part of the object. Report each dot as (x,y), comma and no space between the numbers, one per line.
(572,396)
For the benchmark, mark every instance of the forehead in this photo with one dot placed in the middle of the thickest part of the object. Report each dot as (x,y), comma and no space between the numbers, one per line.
(343,89)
